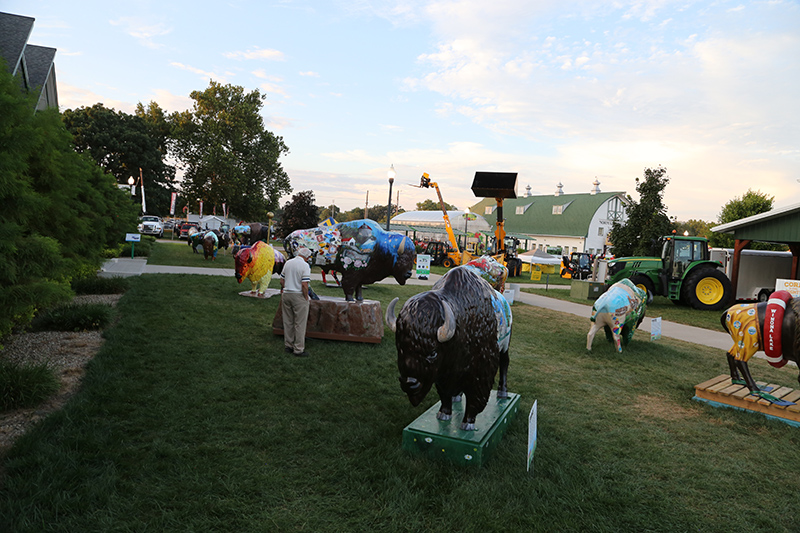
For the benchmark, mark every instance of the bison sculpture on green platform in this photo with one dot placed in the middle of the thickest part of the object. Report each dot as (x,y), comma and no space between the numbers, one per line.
(359,249)
(455,336)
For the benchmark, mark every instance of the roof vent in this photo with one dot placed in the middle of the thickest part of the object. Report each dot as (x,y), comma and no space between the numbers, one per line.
(528,191)
(596,188)
(559,191)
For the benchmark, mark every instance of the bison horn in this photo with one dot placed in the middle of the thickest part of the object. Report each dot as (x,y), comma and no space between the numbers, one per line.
(402,248)
(391,319)
(448,329)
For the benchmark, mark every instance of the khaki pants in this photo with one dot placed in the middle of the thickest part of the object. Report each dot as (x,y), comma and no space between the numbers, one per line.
(295,316)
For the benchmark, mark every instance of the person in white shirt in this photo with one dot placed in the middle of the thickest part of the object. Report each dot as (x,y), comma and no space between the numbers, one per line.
(295,279)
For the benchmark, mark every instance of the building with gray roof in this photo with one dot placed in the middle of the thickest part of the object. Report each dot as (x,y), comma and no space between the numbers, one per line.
(33,65)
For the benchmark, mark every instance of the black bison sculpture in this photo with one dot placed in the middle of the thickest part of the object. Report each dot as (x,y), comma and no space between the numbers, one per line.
(455,336)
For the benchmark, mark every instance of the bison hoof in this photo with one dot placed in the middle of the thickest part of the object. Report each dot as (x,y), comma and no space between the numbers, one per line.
(467,426)
(443,416)
(457,398)
(502,394)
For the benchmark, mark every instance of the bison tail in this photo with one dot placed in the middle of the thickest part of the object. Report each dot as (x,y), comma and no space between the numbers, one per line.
(723,319)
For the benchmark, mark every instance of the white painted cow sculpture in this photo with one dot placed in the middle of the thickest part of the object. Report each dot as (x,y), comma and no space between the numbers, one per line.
(619,311)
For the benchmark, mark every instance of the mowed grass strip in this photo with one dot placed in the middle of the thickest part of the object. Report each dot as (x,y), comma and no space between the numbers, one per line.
(192,418)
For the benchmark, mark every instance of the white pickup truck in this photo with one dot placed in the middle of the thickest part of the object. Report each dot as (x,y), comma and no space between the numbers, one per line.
(151,225)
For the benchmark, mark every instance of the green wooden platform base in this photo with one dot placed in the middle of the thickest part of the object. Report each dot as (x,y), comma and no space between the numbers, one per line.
(443,439)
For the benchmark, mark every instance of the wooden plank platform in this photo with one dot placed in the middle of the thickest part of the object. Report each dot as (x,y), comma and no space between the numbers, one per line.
(720,392)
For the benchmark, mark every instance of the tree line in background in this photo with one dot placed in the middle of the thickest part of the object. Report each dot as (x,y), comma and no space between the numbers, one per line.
(228,158)
(647,219)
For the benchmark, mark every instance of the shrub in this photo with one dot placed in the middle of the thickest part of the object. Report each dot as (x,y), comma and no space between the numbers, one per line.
(73,317)
(97,285)
(141,249)
(25,385)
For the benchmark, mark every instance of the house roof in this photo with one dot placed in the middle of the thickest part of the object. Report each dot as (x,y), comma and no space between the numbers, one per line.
(538,218)
(15,30)
(40,62)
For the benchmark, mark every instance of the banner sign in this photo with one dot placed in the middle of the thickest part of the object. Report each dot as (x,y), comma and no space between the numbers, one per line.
(172,204)
(792,286)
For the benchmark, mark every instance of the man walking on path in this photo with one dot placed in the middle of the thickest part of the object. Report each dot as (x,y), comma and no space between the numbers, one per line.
(295,278)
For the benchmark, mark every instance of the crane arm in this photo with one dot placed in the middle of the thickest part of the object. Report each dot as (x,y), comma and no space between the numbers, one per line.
(426,182)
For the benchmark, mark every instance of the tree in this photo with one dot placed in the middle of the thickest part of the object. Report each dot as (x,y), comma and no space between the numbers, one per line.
(751,203)
(298,213)
(227,154)
(430,205)
(60,210)
(647,220)
(697,228)
(122,144)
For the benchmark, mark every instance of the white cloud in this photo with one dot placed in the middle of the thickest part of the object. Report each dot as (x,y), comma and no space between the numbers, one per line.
(201,72)
(145,31)
(257,53)
(309,73)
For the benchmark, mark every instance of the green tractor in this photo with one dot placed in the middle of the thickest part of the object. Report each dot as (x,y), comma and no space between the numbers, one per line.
(684,274)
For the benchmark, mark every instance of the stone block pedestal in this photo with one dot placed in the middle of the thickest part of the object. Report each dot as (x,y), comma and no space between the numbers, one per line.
(337,319)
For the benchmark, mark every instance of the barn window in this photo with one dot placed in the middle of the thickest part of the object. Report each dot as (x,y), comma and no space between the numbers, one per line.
(520,210)
(558,209)
(488,210)
(600,231)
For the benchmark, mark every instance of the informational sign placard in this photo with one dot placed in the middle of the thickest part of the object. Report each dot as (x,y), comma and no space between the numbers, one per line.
(655,328)
(423,266)
(532,432)
(790,285)
(133,237)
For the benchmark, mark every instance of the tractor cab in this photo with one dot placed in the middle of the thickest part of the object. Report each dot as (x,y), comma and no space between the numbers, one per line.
(437,250)
(679,256)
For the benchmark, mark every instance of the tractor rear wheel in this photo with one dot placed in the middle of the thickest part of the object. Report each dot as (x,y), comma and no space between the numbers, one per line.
(707,289)
(646,284)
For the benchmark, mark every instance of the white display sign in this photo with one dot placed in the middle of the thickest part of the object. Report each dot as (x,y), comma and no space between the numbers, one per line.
(133,237)
(655,328)
(423,266)
(792,286)
(532,432)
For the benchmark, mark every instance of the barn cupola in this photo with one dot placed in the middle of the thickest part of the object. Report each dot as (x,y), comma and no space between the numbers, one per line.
(596,188)
(560,189)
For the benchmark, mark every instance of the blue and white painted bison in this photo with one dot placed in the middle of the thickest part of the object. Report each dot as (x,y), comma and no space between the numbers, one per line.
(455,336)
(360,250)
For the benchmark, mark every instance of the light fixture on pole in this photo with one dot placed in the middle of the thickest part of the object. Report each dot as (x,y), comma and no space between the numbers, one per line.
(131,181)
(391,175)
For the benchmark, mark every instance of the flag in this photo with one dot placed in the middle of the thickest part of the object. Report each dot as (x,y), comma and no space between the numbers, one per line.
(224,210)
(328,222)
(144,205)
(172,204)
(201,208)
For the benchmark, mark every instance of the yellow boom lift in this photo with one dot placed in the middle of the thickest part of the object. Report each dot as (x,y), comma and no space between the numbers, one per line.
(455,257)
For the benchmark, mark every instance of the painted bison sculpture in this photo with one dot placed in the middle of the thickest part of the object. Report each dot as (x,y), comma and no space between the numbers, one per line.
(255,263)
(454,336)
(360,250)
(619,311)
(772,327)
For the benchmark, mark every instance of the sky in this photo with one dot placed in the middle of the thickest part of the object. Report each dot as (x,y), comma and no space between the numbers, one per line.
(559,91)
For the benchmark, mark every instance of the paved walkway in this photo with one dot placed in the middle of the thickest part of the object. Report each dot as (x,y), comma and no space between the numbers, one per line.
(715,339)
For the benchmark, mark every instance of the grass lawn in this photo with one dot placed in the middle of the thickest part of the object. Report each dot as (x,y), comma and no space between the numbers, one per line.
(661,306)
(192,418)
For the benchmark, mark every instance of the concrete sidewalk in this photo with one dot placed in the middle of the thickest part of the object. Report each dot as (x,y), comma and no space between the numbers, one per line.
(716,339)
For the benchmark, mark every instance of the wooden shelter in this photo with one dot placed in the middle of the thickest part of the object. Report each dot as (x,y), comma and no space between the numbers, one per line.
(781,226)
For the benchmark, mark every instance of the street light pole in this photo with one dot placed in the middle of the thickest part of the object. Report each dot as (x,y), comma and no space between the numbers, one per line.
(391,174)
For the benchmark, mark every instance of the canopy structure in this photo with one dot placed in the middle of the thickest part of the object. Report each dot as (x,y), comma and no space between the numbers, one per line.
(780,226)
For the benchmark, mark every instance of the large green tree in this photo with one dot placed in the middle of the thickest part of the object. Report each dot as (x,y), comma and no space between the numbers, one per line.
(647,219)
(751,203)
(60,210)
(430,205)
(227,154)
(298,213)
(122,144)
